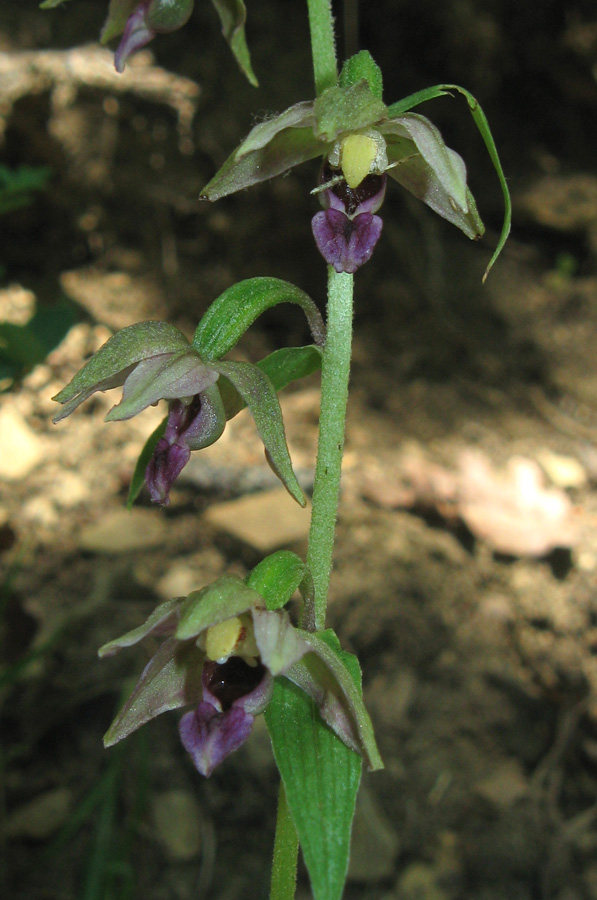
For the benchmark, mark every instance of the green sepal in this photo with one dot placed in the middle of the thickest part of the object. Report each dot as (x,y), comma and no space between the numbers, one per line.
(271,148)
(362,67)
(171,679)
(123,350)
(227,597)
(332,677)
(343,110)
(278,576)
(138,479)
(159,621)
(234,311)
(321,777)
(480,119)
(282,367)
(233,15)
(261,398)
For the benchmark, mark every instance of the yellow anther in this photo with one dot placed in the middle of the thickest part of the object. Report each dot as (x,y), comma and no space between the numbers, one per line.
(358,153)
(221,639)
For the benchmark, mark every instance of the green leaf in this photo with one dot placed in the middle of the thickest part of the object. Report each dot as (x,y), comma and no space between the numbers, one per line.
(51,4)
(480,119)
(234,311)
(227,597)
(277,577)
(17,186)
(281,367)
(118,13)
(340,110)
(233,15)
(259,395)
(138,479)
(321,777)
(24,346)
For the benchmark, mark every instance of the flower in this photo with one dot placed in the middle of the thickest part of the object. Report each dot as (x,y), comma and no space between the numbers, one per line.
(154,361)
(361,140)
(139,21)
(222,650)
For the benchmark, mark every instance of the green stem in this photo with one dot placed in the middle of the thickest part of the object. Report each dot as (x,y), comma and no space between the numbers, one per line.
(323,44)
(335,370)
(285,853)
(334,395)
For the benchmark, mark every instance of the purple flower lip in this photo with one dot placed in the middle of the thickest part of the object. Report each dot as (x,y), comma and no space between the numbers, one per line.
(234,692)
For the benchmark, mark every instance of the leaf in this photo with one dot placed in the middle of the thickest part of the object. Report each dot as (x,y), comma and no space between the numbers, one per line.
(138,479)
(262,400)
(233,15)
(281,367)
(24,346)
(277,577)
(234,311)
(51,4)
(321,777)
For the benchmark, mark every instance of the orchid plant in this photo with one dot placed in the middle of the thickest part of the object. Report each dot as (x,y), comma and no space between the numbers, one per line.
(231,651)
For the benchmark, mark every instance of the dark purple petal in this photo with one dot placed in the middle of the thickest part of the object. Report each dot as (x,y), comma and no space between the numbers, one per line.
(136,34)
(210,736)
(191,426)
(163,469)
(346,244)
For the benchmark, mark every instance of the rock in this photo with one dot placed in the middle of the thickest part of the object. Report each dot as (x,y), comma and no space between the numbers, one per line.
(419,881)
(122,531)
(563,471)
(265,521)
(504,785)
(177,820)
(41,817)
(21,450)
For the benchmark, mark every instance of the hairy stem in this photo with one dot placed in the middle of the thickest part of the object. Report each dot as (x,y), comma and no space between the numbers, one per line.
(335,370)
(283,883)
(323,44)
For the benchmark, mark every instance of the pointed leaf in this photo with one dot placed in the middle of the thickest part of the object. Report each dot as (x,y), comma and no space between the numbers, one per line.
(321,778)
(227,597)
(262,400)
(236,309)
(332,677)
(361,67)
(109,366)
(118,13)
(233,15)
(344,109)
(407,103)
(171,679)
(281,367)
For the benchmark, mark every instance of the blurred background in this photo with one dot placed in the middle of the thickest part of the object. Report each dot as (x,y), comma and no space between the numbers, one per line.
(466,566)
